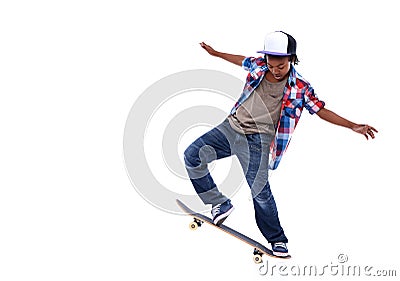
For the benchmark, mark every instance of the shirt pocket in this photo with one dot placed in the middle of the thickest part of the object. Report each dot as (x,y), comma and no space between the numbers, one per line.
(293,108)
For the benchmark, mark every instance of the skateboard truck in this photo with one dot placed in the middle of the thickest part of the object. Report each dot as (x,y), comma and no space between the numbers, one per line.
(195,224)
(257,256)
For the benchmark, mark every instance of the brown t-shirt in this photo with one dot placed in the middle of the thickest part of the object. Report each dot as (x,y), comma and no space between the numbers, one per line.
(261,111)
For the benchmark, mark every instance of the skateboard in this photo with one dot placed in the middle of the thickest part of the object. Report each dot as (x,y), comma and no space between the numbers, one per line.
(199,219)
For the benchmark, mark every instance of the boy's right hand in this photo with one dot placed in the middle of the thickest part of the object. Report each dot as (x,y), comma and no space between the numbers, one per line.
(235,59)
(209,49)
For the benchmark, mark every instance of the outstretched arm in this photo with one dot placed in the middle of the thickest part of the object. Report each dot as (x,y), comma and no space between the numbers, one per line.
(235,59)
(333,118)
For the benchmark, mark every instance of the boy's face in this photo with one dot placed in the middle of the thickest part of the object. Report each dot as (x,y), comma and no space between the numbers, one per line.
(279,67)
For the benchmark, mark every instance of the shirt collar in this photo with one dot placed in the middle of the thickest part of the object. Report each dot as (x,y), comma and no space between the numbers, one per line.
(292,76)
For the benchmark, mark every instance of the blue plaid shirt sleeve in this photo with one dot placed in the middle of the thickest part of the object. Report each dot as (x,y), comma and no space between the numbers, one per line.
(251,63)
(246,63)
(312,103)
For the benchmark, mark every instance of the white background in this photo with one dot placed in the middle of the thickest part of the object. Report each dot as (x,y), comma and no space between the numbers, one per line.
(70,72)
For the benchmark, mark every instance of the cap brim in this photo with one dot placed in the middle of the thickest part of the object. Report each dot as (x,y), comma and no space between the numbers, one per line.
(273,53)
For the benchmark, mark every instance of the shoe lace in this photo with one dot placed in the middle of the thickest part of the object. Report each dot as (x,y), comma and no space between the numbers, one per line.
(216,210)
(280,244)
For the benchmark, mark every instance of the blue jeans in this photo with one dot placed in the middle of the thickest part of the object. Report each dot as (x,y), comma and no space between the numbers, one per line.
(252,151)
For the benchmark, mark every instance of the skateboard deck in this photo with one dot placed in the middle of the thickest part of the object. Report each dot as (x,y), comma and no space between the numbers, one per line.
(199,219)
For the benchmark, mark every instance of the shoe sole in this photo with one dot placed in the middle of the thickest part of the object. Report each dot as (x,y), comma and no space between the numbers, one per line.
(220,219)
(280,254)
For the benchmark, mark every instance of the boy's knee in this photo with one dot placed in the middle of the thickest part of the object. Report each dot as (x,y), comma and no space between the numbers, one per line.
(262,193)
(191,156)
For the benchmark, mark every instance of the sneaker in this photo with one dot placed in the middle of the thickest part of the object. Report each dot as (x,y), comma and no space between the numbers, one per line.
(221,211)
(280,249)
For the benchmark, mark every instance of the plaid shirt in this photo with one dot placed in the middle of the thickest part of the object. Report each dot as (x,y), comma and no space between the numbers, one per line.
(297,94)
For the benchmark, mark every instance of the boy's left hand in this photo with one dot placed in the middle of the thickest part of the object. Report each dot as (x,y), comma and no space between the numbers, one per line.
(365,130)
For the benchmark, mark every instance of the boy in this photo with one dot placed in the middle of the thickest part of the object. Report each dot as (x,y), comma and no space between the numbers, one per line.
(262,121)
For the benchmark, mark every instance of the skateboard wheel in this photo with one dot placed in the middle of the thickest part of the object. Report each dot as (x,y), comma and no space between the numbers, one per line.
(193,225)
(257,258)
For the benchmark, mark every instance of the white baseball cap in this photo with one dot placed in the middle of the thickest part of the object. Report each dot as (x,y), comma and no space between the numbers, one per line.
(279,43)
